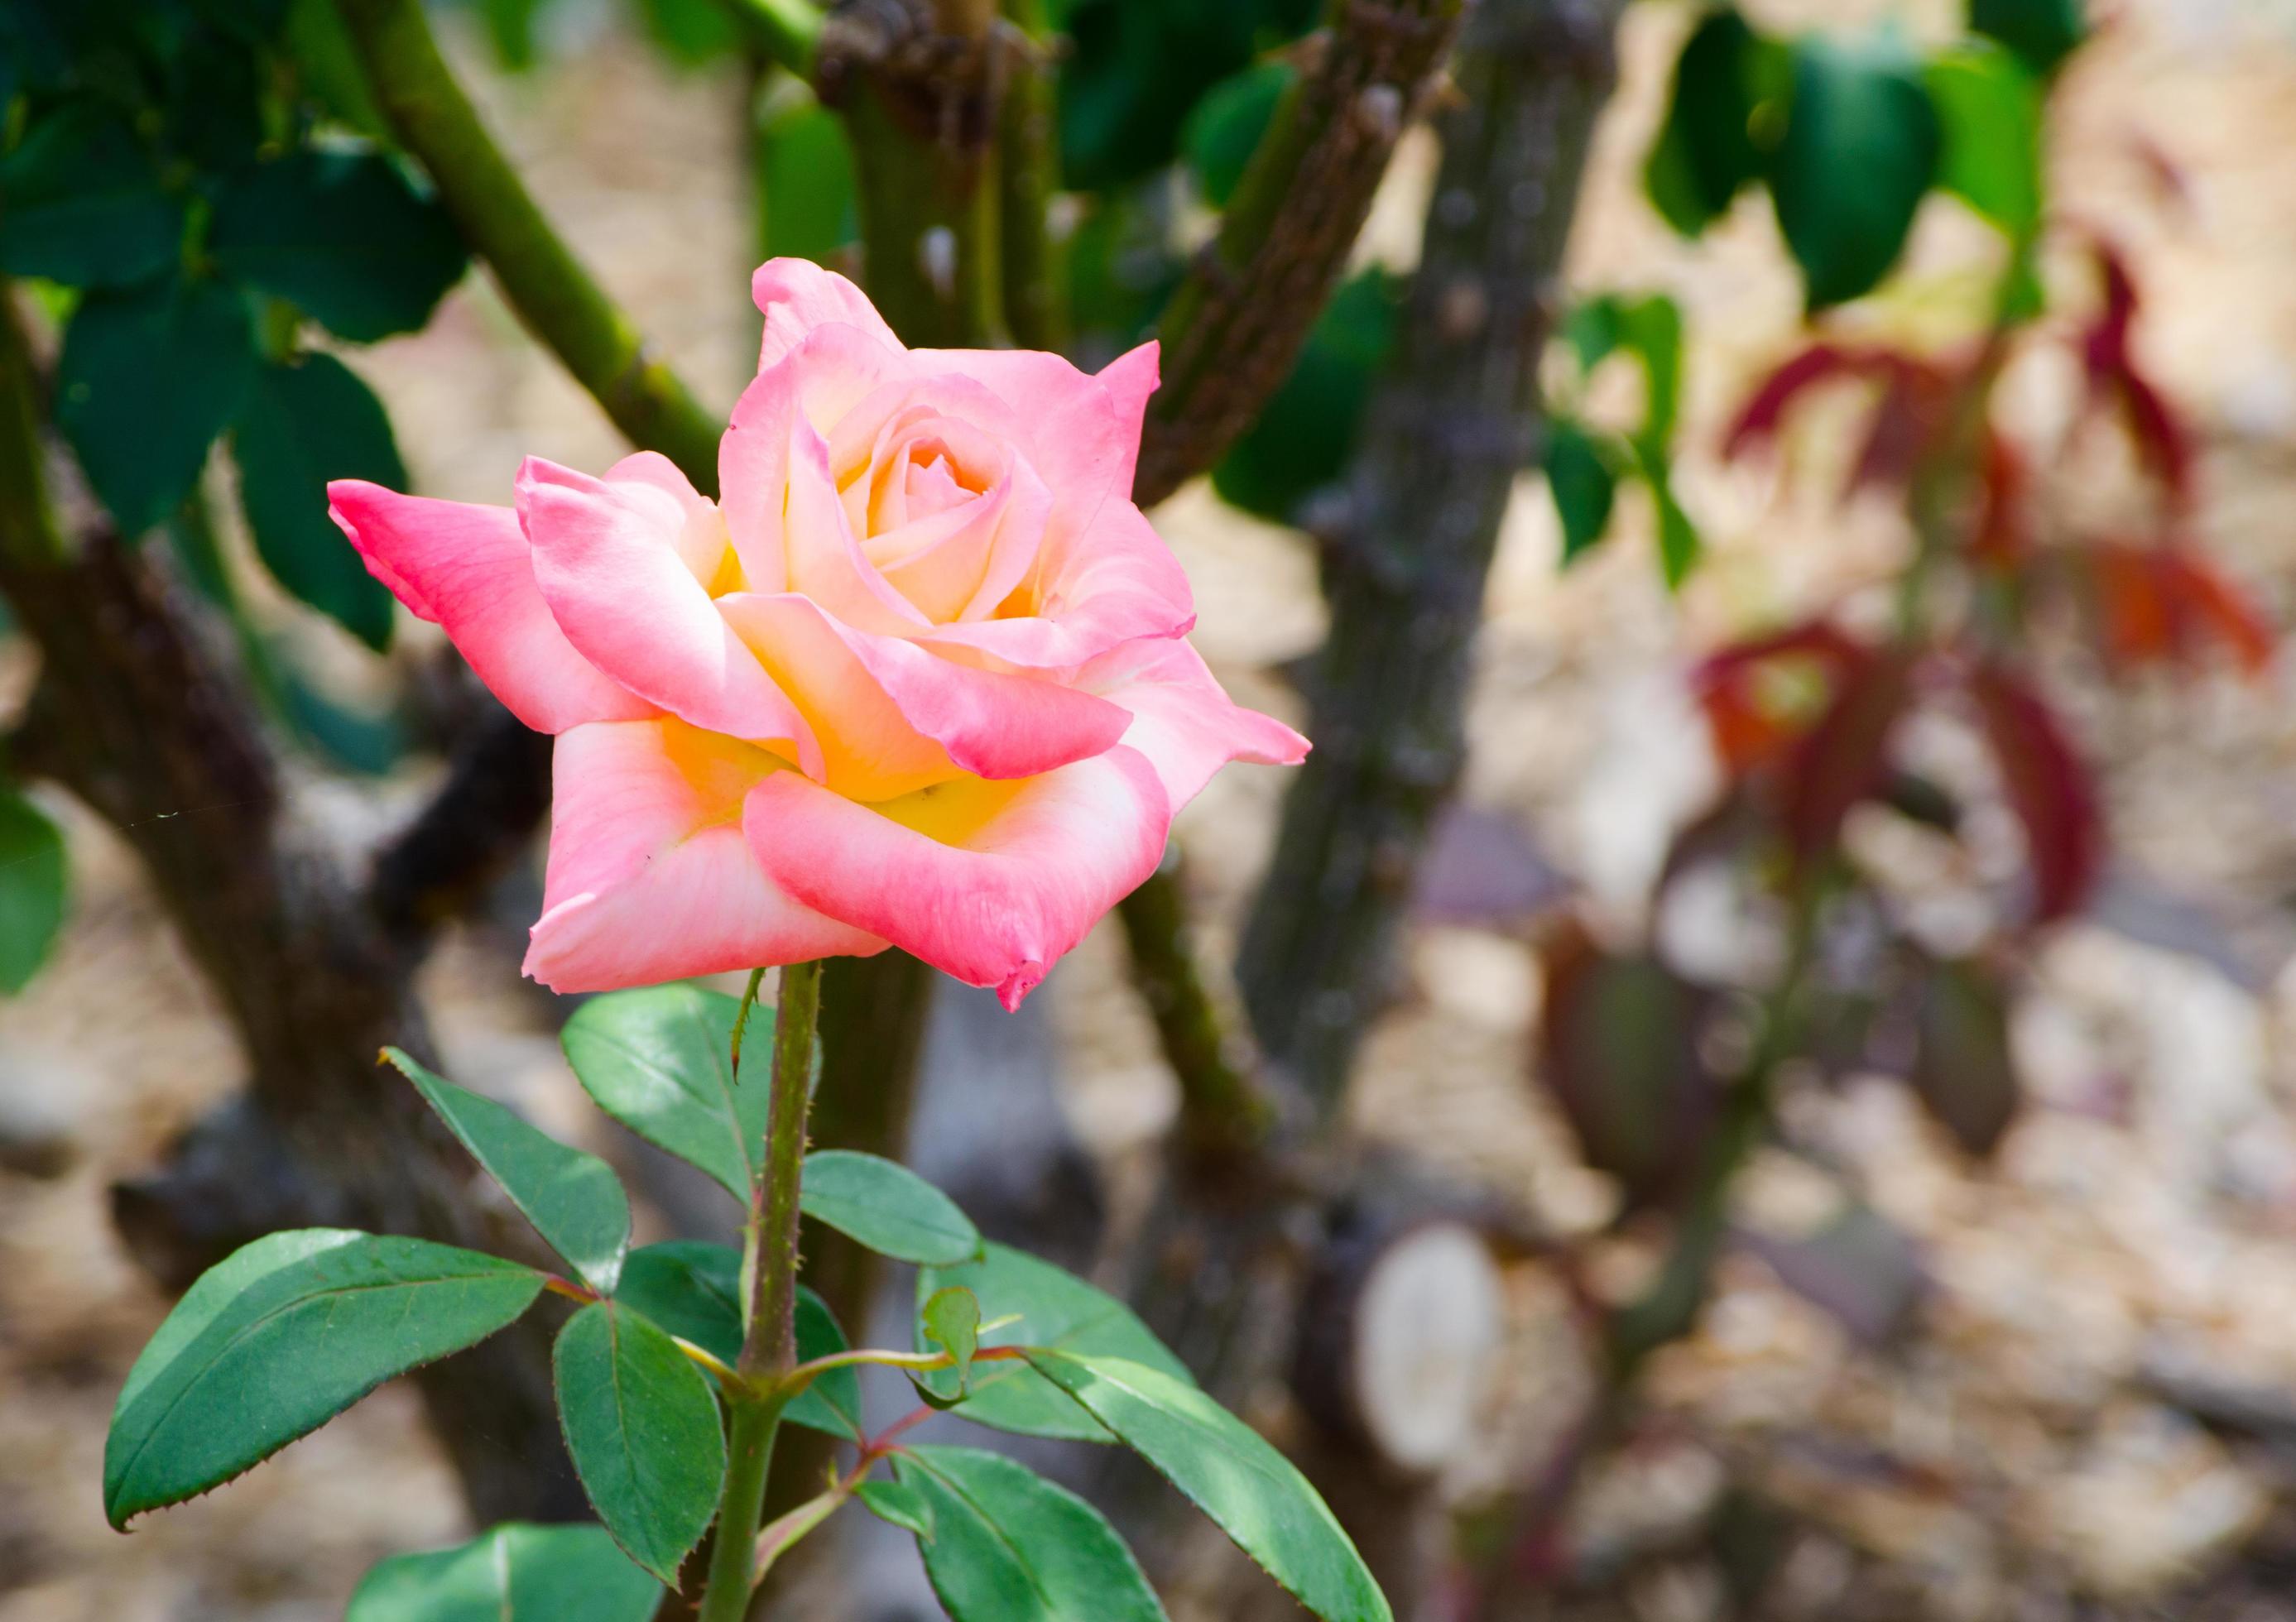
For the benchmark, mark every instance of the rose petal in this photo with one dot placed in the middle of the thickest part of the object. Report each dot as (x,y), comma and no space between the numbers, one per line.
(1089,595)
(703,542)
(468,569)
(962,562)
(1182,719)
(1082,432)
(606,557)
(990,882)
(651,878)
(797,296)
(781,503)
(894,717)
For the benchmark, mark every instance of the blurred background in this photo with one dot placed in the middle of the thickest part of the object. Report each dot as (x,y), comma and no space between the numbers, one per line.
(1808,1089)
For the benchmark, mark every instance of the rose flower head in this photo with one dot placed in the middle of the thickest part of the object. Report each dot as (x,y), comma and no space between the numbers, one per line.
(919,678)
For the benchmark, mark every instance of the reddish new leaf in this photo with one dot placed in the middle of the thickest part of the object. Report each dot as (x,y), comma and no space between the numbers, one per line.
(2211,606)
(2157,603)
(1845,757)
(1907,416)
(2003,532)
(2048,786)
(2116,381)
(1732,687)
(1759,418)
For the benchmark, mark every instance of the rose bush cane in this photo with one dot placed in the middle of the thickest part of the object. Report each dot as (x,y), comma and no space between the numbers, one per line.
(920,679)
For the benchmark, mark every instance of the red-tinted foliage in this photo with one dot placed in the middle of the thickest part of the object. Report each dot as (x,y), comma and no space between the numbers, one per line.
(1749,731)
(1845,757)
(2048,787)
(2116,381)
(2167,604)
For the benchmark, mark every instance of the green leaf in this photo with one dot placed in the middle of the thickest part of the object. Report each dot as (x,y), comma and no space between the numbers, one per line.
(1133,72)
(278,1339)
(307,421)
(691,32)
(660,1061)
(1580,477)
(1679,544)
(510,26)
(327,64)
(1007,1545)
(32,874)
(1989,111)
(1248,1488)
(214,102)
(2042,32)
(1730,84)
(1305,438)
(514,1573)
(1055,1309)
(148,378)
(1224,129)
(887,1208)
(81,203)
(898,1503)
(642,1426)
(805,177)
(694,1290)
(253,22)
(368,741)
(1861,146)
(341,236)
(573,1200)
(950,1318)
(1650,328)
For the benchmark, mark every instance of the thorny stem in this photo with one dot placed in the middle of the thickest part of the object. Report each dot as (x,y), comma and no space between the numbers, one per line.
(761,1386)
(748,1279)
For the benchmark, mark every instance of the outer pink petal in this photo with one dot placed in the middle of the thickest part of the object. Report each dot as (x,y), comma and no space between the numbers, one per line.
(649,876)
(468,569)
(1182,720)
(1130,379)
(1120,583)
(701,540)
(606,557)
(797,296)
(990,882)
(893,718)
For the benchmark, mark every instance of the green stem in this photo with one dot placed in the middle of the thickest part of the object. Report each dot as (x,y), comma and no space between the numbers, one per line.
(760,1389)
(1033,264)
(733,1559)
(1223,1108)
(787,30)
(928,214)
(540,277)
(29,534)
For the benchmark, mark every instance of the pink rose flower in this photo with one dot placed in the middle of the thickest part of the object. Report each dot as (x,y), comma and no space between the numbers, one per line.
(920,678)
